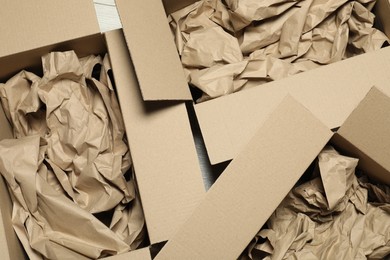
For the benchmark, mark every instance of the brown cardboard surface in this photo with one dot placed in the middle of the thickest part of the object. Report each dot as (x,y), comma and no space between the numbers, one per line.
(174,5)
(162,148)
(368,128)
(382,8)
(152,50)
(139,254)
(10,65)
(26,25)
(249,190)
(227,123)
(330,93)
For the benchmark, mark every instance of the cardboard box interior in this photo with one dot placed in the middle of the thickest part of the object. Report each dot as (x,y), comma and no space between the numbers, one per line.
(159,135)
(180,179)
(330,92)
(31,61)
(267,169)
(227,123)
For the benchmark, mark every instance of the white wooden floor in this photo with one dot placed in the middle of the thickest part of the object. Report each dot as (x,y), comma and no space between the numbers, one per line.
(107,15)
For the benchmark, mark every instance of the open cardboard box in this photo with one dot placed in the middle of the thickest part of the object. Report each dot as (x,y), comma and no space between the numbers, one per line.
(227,123)
(257,180)
(159,135)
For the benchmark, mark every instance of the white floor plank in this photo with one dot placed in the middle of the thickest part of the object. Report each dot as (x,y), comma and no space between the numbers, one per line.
(107,15)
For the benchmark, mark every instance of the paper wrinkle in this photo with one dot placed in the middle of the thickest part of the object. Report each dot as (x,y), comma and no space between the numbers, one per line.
(209,80)
(209,47)
(333,216)
(302,35)
(69,161)
(198,16)
(260,35)
(244,12)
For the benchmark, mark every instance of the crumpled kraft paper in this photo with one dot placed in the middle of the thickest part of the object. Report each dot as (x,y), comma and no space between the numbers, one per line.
(301,34)
(200,15)
(83,160)
(209,47)
(333,216)
(243,12)
(211,79)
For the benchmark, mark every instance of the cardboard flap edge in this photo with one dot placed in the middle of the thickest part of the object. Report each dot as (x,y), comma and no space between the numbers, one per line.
(43,23)
(157,64)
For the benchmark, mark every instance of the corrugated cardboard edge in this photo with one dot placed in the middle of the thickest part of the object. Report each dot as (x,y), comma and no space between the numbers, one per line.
(252,186)
(162,147)
(331,93)
(139,254)
(368,130)
(27,25)
(150,42)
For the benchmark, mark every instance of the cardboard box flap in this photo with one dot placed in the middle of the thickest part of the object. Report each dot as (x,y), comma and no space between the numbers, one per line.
(368,129)
(174,5)
(26,25)
(152,49)
(252,186)
(331,93)
(162,147)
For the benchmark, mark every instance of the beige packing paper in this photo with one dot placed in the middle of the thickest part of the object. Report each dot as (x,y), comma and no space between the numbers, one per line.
(210,80)
(295,35)
(363,38)
(333,216)
(84,159)
(209,47)
(260,35)
(200,15)
(244,12)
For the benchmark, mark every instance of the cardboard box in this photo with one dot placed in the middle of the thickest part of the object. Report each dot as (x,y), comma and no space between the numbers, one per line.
(227,123)
(257,180)
(159,135)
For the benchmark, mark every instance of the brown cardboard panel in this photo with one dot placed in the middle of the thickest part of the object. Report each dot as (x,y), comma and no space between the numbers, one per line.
(368,129)
(174,5)
(382,10)
(331,93)
(139,254)
(225,132)
(26,25)
(31,60)
(162,148)
(252,186)
(370,167)
(152,50)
